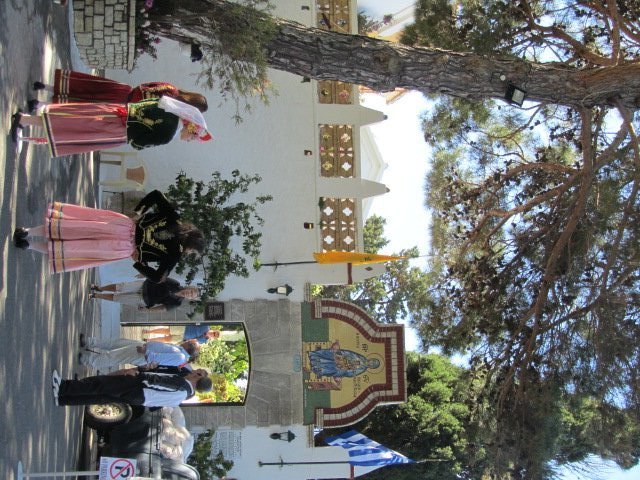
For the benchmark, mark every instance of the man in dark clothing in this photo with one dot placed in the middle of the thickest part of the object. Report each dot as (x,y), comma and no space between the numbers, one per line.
(134,386)
(157,297)
(168,294)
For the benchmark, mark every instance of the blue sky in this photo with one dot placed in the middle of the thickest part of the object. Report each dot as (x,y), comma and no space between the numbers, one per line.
(378,8)
(401,144)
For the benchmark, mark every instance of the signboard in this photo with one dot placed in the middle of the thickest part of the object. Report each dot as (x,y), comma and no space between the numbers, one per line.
(214,311)
(112,468)
(229,442)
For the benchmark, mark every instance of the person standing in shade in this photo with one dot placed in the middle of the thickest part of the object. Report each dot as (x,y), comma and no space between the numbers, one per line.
(111,353)
(131,386)
(157,297)
(201,333)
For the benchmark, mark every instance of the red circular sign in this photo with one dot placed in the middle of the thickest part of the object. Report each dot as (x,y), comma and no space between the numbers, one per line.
(121,468)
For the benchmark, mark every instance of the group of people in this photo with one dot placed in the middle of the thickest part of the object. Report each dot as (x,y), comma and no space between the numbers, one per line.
(161,376)
(88,113)
(110,353)
(135,386)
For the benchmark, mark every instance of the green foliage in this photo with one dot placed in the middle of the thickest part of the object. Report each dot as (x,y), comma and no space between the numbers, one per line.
(223,391)
(227,362)
(145,42)
(209,466)
(234,59)
(232,37)
(367,24)
(535,273)
(230,359)
(401,292)
(206,204)
(373,234)
(589,426)
(434,426)
(481,27)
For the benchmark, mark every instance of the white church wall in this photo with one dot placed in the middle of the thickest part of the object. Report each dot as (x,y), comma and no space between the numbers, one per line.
(270,141)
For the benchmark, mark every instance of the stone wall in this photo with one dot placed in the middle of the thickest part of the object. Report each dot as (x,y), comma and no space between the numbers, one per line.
(105,32)
(275,392)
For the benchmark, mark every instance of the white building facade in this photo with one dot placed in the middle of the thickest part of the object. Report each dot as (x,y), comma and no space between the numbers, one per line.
(306,146)
(320,166)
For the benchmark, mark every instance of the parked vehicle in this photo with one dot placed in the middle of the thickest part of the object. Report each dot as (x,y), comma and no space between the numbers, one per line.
(105,417)
(135,432)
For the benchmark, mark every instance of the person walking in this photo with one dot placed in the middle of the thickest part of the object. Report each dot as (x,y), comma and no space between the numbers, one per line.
(75,237)
(73,128)
(201,333)
(112,353)
(76,87)
(131,386)
(146,295)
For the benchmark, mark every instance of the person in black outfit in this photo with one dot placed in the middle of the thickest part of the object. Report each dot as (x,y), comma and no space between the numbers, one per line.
(134,386)
(76,237)
(157,297)
(161,237)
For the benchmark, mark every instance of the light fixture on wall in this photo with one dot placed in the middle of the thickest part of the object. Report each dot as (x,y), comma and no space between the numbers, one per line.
(285,289)
(515,94)
(287,436)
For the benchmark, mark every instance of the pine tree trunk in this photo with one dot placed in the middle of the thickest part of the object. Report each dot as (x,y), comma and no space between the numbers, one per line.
(383,66)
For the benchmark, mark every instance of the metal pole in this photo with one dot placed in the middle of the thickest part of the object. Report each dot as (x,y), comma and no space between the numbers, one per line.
(20,475)
(284,264)
(282,463)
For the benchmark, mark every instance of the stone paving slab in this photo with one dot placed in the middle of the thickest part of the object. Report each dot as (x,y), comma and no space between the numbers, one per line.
(40,315)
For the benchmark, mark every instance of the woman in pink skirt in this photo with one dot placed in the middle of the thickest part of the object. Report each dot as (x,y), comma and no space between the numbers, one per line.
(76,237)
(78,87)
(73,128)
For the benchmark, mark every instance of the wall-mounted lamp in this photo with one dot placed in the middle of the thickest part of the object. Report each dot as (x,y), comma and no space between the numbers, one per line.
(287,436)
(308,153)
(515,94)
(308,225)
(285,289)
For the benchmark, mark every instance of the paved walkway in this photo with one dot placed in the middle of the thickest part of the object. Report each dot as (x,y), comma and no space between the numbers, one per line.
(40,315)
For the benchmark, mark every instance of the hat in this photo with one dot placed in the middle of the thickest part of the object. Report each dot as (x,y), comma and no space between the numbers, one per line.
(192,118)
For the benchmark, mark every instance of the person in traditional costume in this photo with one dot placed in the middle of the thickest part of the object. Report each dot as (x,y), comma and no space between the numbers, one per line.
(72,128)
(76,237)
(77,87)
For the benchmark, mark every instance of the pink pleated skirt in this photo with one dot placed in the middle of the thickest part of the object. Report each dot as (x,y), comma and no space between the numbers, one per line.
(73,128)
(82,237)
